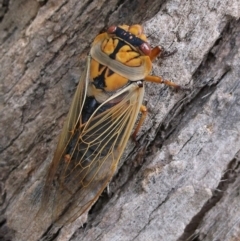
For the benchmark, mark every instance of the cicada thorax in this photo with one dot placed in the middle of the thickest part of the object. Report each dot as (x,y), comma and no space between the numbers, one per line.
(124,53)
(119,57)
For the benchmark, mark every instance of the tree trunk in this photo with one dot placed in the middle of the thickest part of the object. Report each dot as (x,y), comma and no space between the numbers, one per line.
(181,182)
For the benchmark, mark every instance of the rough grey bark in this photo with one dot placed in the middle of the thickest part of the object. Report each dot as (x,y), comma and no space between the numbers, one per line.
(182,181)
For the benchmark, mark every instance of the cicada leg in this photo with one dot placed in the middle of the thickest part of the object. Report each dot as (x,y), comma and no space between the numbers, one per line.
(155,52)
(160,80)
(158,51)
(143,110)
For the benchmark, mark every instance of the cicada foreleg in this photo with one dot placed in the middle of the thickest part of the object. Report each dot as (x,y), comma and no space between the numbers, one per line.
(160,80)
(158,51)
(155,79)
(155,52)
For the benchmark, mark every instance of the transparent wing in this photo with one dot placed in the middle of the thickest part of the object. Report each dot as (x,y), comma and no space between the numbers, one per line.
(87,154)
(66,135)
(92,154)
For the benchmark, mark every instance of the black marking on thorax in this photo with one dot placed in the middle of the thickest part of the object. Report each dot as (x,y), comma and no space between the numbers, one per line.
(99,81)
(116,50)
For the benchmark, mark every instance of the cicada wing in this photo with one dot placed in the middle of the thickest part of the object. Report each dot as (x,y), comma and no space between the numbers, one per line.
(73,117)
(70,125)
(95,153)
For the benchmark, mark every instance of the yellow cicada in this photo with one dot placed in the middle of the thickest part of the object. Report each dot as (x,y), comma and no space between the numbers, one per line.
(101,119)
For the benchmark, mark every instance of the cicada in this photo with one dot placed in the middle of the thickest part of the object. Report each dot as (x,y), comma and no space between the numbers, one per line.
(101,119)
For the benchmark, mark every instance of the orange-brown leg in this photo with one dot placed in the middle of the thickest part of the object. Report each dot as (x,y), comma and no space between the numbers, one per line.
(156,51)
(143,110)
(159,80)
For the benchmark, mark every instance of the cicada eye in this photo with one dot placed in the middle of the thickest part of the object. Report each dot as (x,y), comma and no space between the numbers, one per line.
(145,48)
(112,29)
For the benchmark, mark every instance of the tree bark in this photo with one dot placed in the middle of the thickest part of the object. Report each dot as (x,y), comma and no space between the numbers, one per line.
(181,182)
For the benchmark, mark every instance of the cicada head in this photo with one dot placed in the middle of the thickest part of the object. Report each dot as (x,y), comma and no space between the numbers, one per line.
(132,35)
